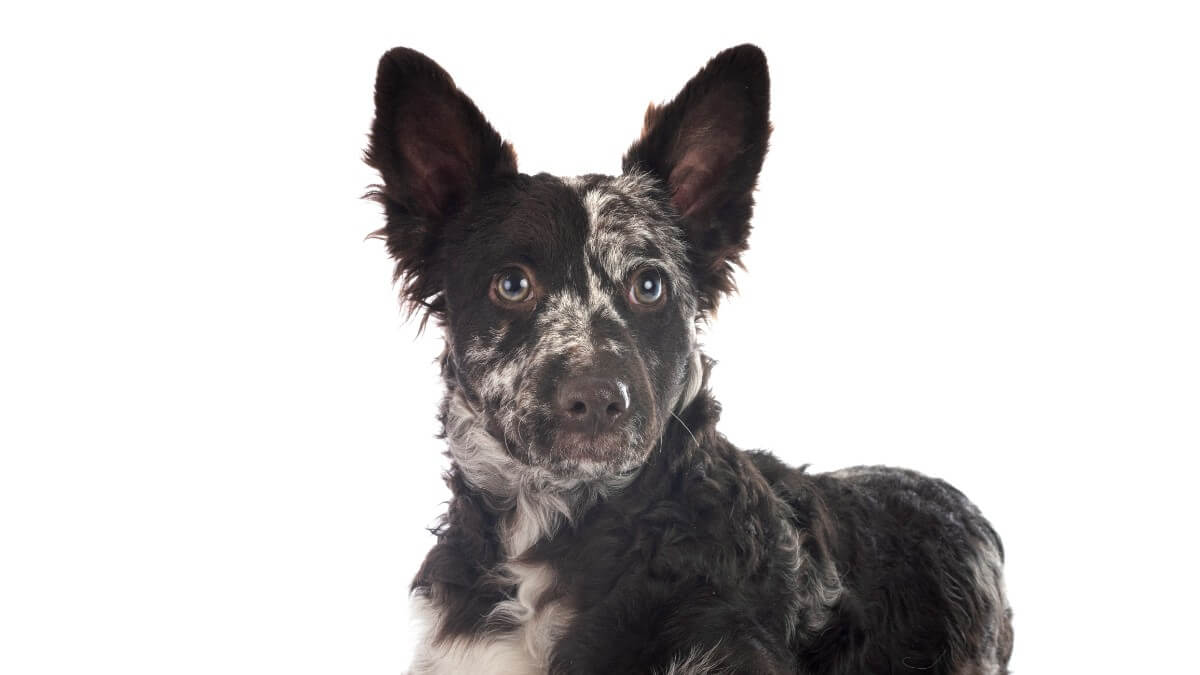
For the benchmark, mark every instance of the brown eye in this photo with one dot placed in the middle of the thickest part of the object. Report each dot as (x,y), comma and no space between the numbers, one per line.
(512,285)
(647,287)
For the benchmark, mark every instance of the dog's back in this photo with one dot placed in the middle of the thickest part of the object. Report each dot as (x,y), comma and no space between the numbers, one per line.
(921,571)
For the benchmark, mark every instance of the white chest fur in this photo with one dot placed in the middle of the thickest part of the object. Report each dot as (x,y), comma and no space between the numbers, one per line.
(519,651)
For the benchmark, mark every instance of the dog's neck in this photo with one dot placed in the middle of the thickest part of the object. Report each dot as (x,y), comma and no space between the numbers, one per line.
(529,503)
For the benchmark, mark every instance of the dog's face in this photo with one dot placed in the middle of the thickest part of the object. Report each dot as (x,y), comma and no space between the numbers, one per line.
(570,316)
(569,304)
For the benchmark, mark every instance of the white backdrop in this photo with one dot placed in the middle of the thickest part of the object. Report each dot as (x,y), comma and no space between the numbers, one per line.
(975,255)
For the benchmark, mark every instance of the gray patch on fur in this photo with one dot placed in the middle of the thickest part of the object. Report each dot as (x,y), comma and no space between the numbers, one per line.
(988,576)
(820,586)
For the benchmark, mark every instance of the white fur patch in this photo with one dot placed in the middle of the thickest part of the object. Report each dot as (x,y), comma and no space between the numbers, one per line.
(698,662)
(524,649)
(539,627)
(506,653)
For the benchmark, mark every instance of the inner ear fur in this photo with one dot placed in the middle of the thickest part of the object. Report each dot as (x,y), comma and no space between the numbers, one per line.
(436,153)
(707,147)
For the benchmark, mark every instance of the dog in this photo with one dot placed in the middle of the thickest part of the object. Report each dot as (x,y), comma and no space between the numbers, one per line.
(599,522)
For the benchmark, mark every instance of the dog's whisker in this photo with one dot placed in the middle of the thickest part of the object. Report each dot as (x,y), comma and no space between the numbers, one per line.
(685,427)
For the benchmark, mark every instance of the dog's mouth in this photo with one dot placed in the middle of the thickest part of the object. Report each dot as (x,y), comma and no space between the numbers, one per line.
(572,452)
(612,447)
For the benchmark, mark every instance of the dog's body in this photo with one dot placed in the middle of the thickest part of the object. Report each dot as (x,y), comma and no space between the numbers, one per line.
(599,522)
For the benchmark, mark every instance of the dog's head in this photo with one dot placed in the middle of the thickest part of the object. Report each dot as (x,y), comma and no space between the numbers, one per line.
(569,304)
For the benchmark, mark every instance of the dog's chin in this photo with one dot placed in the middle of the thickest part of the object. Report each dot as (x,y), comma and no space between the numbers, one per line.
(595,456)
(576,455)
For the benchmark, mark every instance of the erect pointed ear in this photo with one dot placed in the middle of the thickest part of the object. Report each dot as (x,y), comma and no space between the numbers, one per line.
(707,147)
(435,153)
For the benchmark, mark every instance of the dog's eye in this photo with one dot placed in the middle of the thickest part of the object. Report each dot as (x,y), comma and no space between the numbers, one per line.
(512,285)
(647,287)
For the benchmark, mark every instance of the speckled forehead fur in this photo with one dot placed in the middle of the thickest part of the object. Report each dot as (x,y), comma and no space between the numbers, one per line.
(631,225)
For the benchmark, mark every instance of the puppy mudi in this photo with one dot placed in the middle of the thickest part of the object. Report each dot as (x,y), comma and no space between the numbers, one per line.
(600,523)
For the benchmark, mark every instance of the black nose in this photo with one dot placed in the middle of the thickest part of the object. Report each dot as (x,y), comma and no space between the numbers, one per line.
(592,405)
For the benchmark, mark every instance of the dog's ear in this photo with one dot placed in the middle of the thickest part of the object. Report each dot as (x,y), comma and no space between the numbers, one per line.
(435,153)
(707,147)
